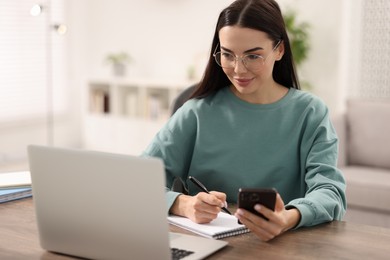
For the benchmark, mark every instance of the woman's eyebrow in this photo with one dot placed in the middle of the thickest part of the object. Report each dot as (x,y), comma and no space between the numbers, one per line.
(250,50)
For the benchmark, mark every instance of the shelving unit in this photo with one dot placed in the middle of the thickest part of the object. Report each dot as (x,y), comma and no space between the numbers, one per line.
(123,116)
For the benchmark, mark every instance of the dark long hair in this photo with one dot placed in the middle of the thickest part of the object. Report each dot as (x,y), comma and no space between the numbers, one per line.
(261,15)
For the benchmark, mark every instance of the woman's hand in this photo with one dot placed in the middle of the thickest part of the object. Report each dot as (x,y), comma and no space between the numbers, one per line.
(278,222)
(201,208)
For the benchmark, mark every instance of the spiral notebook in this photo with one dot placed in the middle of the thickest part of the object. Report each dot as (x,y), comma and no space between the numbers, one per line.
(224,225)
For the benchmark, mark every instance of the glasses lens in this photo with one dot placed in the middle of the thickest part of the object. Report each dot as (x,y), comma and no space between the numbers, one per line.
(228,60)
(253,61)
(225,60)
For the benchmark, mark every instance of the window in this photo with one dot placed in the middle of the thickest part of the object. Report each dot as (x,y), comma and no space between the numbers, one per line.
(32,61)
(32,76)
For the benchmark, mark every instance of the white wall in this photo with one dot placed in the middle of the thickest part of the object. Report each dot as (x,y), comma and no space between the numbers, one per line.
(163,37)
(350,50)
(166,37)
(322,67)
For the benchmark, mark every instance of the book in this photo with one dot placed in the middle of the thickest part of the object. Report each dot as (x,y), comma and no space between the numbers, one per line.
(21,179)
(14,194)
(224,225)
(99,101)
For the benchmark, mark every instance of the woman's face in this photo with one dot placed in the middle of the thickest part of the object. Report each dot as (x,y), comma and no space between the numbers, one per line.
(254,78)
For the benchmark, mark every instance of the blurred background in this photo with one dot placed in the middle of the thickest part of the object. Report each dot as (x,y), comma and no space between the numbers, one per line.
(102,74)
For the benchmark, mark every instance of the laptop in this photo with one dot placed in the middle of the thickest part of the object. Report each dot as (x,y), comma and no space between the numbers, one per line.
(106,206)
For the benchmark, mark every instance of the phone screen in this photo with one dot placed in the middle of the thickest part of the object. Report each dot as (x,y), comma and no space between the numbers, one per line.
(249,197)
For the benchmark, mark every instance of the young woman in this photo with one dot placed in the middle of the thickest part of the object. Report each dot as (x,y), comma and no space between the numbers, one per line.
(249,126)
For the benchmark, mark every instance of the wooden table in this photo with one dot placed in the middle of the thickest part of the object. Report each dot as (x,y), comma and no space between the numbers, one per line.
(336,240)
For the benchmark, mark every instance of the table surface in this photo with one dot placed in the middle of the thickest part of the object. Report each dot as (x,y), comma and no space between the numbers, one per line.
(335,240)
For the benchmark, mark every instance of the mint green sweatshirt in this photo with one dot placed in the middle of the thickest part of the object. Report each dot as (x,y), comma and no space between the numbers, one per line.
(229,144)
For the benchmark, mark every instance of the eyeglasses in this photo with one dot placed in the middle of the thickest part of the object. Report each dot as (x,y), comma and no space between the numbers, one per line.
(251,62)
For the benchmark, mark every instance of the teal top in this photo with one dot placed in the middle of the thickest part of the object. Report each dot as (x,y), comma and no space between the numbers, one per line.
(228,144)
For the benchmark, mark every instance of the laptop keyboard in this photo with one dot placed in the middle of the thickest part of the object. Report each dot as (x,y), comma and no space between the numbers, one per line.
(179,253)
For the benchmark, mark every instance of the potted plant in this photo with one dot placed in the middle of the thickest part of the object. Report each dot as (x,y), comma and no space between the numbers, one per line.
(299,40)
(118,61)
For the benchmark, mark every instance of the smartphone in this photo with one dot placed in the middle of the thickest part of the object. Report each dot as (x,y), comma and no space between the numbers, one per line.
(249,197)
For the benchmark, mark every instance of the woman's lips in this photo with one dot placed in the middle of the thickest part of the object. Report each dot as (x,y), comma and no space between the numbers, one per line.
(243,82)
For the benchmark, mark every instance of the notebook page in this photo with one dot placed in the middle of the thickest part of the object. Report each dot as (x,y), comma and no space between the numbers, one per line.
(223,226)
(15,179)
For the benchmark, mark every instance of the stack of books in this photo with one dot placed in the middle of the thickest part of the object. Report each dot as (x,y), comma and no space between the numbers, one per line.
(15,185)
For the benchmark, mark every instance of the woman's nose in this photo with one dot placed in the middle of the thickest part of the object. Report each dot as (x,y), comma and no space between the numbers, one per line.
(240,65)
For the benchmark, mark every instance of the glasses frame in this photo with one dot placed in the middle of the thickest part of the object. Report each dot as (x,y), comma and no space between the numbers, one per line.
(243,58)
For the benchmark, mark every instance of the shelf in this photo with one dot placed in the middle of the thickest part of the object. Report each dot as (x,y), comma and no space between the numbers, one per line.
(124,115)
(142,99)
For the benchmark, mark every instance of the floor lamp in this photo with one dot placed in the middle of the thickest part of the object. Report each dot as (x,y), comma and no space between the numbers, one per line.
(61,29)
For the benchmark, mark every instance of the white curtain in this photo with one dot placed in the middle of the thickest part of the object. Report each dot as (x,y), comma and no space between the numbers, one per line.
(374,76)
(33,88)
(32,57)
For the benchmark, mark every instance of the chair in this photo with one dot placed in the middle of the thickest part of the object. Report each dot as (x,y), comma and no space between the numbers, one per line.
(182,98)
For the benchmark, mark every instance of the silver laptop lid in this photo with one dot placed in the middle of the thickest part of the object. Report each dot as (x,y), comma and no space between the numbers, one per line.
(75,193)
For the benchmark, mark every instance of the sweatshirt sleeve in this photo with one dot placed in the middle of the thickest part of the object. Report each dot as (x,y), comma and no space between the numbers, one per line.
(325,198)
(174,145)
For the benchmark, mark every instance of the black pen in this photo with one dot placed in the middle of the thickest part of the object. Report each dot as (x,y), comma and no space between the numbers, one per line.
(203,188)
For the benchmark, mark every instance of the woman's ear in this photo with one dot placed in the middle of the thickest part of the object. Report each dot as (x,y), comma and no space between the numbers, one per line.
(280,51)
